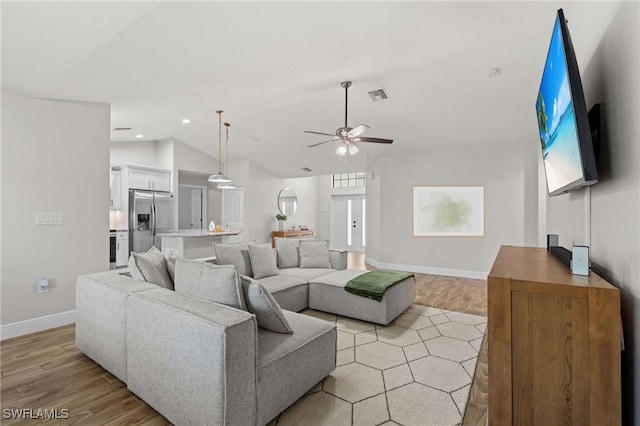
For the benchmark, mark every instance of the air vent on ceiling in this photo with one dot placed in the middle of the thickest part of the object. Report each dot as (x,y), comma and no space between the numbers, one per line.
(121,129)
(378,95)
(305,169)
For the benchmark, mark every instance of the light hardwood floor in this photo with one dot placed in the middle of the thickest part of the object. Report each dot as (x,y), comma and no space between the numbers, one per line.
(45,370)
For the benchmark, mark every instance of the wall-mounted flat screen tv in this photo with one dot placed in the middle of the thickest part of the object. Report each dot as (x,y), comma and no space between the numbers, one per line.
(565,137)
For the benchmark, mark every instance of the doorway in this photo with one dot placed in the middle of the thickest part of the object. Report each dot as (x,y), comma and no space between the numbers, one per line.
(348,222)
(192,207)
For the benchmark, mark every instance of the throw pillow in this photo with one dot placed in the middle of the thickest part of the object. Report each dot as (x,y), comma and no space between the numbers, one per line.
(150,267)
(236,255)
(287,249)
(217,283)
(263,261)
(171,267)
(262,304)
(314,254)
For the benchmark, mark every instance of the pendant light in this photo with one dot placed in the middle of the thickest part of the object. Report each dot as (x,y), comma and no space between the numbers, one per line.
(219,178)
(228,184)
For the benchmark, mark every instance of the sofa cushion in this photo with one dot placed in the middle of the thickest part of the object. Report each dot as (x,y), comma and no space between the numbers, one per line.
(264,307)
(263,261)
(291,293)
(217,283)
(150,267)
(287,252)
(314,254)
(236,255)
(291,364)
(306,274)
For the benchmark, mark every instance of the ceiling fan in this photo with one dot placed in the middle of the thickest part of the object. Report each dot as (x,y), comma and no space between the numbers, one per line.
(348,136)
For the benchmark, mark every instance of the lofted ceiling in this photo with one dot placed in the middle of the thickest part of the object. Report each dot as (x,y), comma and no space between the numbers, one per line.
(275,69)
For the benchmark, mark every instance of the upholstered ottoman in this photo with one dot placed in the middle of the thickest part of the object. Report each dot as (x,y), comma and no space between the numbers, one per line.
(327,293)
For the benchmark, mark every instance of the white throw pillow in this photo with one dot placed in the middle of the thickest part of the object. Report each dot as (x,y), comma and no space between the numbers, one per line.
(217,283)
(266,309)
(314,254)
(263,260)
(236,255)
(150,267)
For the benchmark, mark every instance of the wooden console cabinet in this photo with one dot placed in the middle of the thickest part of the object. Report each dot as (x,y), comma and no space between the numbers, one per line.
(554,343)
(298,233)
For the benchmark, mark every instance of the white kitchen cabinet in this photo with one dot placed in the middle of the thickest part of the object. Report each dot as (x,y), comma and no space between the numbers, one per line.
(122,248)
(115,186)
(233,211)
(144,178)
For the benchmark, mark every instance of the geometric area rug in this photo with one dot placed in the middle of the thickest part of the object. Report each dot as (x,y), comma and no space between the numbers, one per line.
(415,371)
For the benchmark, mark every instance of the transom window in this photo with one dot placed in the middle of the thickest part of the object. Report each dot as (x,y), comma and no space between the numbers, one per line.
(345,180)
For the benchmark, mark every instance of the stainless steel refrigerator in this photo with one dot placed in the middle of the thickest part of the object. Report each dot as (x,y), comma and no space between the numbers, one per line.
(150,214)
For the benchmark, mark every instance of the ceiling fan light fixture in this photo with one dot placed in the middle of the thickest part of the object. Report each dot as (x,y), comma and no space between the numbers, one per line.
(342,149)
(353,149)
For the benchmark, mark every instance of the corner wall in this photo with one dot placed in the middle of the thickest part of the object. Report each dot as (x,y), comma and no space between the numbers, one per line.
(55,158)
(611,78)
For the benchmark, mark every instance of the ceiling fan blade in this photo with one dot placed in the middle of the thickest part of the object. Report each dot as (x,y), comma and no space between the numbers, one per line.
(358,130)
(318,133)
(375,140)
(320,143)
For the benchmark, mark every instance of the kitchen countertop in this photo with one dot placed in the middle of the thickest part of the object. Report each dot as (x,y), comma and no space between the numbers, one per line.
(199,233)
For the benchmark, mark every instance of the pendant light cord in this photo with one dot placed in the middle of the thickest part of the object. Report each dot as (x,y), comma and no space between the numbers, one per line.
(219,112)
(226,161)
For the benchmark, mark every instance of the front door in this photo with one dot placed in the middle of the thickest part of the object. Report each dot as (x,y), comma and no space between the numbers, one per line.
(348,222)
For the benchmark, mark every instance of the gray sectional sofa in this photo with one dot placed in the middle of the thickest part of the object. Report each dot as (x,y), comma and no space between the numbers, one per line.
(200,362)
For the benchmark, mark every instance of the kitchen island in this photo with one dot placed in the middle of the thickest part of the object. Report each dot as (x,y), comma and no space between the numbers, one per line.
(195,243)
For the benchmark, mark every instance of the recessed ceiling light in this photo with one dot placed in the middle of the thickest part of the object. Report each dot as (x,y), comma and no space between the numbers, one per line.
(139,136)
(186,121)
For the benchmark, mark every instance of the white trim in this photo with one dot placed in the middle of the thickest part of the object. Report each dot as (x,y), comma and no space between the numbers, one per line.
(428,270)
(33,325)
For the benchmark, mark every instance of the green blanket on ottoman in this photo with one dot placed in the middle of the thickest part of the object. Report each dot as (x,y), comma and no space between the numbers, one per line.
(373,284)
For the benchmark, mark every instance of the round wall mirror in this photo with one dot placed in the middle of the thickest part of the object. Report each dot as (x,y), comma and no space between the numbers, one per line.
(287,201)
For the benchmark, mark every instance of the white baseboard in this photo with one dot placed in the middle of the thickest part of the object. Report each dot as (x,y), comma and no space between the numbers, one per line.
(34,325)
(428,270)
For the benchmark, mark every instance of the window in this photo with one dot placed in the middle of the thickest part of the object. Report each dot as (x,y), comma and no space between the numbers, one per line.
(345,180)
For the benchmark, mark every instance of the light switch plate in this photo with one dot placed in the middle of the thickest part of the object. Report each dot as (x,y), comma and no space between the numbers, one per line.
(53,218)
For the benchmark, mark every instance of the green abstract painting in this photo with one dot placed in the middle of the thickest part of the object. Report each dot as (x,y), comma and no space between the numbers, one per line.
(446,211)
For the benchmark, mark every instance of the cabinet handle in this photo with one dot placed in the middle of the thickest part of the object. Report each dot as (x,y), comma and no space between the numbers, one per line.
(118,246)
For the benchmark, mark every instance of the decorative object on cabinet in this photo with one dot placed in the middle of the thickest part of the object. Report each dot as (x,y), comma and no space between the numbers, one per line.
(448,211)
(287,201)
(554,343)
(290,234)
(220,177)
(229,184)
(282,218)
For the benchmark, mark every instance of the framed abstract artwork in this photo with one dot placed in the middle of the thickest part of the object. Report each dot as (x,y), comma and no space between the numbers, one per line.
(448,211)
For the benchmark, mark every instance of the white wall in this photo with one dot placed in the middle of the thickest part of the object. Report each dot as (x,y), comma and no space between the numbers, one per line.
(136,153)
(261,195)
(509,175)
(55,158)
(611,77)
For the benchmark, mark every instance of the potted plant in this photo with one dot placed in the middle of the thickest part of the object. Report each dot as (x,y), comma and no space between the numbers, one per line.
(281,220)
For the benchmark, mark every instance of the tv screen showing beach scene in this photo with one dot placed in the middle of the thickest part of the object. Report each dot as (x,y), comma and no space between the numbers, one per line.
(557,120)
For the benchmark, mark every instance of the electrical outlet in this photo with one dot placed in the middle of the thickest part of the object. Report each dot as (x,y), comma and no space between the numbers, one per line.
(43,285)
(438,252)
